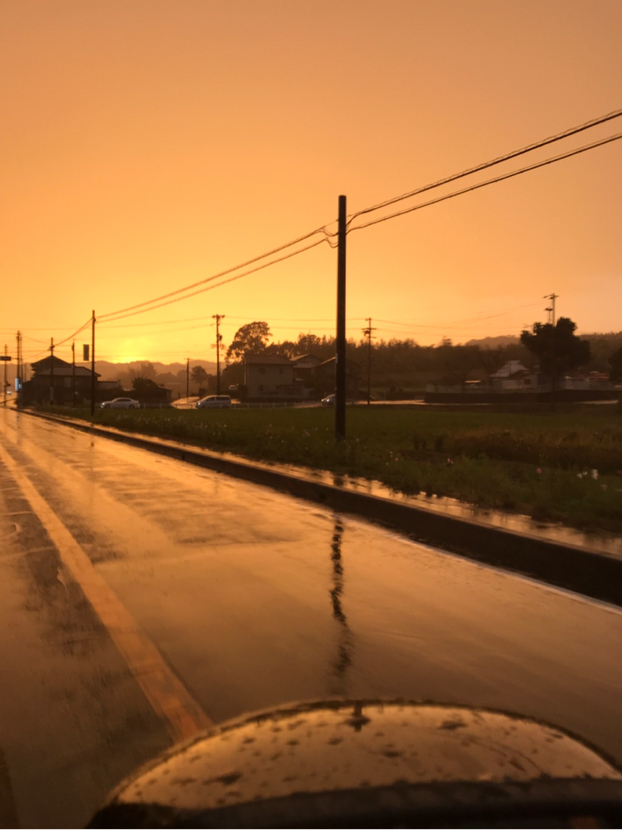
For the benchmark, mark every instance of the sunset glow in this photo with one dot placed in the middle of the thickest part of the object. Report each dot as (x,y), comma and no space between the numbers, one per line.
(152,144)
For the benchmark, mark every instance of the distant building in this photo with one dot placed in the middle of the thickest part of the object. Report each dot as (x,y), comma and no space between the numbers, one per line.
(270,377)
(56,381)
(512,375)
(325,374)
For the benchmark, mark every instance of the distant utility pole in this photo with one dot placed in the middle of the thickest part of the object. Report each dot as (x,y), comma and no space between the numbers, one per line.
(340,352)
(73,372)
(218,318)
(51,370)
(187,379)
(18,371)
(93,365)
(551,310)
(368,334)
(6,359)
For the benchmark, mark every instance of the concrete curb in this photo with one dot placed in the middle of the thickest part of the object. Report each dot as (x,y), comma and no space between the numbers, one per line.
(584,571)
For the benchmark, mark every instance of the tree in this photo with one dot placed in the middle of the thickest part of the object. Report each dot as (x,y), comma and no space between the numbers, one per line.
(558,349)
(145,369)
(252,338)
(615,361)
(456,362)
(199,375)
(147,388)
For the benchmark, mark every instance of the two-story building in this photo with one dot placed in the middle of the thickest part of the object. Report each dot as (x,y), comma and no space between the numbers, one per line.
(56,381)
(269,377)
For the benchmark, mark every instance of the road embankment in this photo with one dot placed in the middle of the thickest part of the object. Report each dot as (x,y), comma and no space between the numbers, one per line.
(577,567)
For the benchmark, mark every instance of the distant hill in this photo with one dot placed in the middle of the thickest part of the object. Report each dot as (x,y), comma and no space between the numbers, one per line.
(494,342)
(115,371)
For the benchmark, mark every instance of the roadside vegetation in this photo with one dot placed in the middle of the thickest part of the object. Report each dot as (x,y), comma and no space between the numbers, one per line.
(564,467)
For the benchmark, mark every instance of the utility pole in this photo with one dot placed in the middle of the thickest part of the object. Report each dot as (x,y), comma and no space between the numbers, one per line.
(18,372)
(368,334)
(6,359)
(17,365)
(73,372)
(93,365)
(51,370)
(340,353)
(551,310)
(218,318)
(187,379)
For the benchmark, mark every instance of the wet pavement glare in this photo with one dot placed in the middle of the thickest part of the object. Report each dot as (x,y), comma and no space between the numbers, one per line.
(254,598)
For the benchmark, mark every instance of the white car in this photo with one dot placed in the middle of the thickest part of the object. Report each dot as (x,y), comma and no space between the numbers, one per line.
(329,400)
(121,403)
(214,402)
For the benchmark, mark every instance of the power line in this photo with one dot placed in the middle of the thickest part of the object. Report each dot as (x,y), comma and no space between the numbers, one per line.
(485,165)
(71,336)
(217,285)
(454,323)
(224,273)
(501,178)
(223,282)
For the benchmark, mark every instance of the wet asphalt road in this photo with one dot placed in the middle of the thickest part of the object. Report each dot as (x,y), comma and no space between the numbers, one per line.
(251,599)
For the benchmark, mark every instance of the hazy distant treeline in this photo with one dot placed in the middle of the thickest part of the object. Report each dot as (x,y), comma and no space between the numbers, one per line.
(395,364)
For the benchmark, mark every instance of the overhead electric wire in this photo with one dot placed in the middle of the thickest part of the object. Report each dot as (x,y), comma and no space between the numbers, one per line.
(485,165)
(217,285)
(214,277)
(500,178)
(71,336)
(474,319)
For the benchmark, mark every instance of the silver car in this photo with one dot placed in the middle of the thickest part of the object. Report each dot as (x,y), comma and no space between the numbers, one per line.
(214,402)
(121,403)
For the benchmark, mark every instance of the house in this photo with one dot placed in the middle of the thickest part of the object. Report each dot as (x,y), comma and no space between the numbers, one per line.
(512,375)
(325,374)
(305,374)
(56,381)
(270,377)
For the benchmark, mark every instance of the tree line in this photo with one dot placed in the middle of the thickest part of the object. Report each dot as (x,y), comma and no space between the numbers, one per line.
(398,366)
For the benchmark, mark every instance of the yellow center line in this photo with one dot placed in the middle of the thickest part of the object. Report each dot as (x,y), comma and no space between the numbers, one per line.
(163,689)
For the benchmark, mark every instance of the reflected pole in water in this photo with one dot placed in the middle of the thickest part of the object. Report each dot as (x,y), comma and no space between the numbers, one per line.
(345,645)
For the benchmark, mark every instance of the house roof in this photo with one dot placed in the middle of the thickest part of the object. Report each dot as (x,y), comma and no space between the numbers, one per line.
(267,359)
(512,367)
(42,368)
(349,363)
(311,358)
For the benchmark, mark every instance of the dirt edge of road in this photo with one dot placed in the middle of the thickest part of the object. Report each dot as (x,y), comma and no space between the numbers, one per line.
(581,570)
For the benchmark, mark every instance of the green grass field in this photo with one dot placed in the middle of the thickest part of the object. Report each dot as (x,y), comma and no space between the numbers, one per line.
(565,467)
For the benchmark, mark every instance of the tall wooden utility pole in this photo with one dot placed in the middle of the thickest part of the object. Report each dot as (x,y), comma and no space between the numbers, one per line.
(340,352)
(367,332)
(218,318)
(187,379)
(93,365)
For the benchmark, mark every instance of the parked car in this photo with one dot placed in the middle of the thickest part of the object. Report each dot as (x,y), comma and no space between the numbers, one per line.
(121,403)
(329,400)
(214,402)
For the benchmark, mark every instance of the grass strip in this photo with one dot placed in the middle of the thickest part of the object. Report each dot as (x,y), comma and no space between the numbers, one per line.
(563,468)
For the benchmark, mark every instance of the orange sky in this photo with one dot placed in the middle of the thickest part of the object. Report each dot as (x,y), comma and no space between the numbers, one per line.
(147,144)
